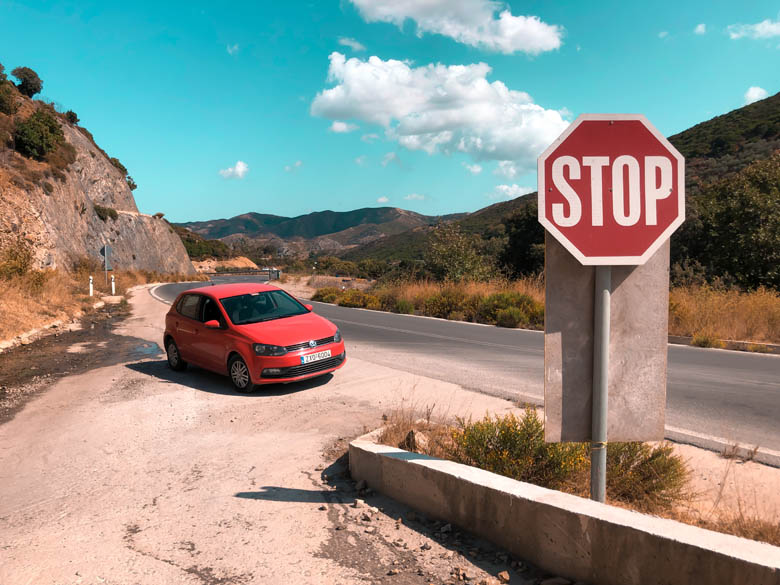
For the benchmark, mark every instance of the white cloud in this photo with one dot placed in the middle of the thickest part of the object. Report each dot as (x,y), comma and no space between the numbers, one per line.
(663,34)
(415,197)
(700,29)
(766,29)
(506,168)
(238,171)
(382,199)
(232,49)
(342,127)
(510,191)
(755,93)
(440,108)
(390,157)
(473,169)
(293,167)
(371,137)
(485,24)
(361,160)
(352,44)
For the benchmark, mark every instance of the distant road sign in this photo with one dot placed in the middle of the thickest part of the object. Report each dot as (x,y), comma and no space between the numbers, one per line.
(106,250)
(611,189)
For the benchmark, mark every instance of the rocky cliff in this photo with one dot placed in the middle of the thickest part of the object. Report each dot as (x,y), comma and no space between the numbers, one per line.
(69,211)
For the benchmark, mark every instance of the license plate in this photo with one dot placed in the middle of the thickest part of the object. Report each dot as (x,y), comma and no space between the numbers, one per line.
(315,357)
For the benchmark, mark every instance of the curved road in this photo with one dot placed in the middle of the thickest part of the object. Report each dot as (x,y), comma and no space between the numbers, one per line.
(729,394)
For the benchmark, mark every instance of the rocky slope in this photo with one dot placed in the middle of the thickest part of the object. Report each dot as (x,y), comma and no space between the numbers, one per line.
(53,211)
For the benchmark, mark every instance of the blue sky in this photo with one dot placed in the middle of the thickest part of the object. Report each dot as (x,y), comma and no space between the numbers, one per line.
(291,107)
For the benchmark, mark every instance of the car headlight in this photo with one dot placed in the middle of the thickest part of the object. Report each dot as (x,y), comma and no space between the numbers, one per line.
(337,336)
(264,349)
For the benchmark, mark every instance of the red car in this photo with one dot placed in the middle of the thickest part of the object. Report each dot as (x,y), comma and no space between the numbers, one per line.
(255,333)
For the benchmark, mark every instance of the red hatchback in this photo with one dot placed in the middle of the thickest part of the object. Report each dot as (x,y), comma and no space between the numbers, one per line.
(255,333)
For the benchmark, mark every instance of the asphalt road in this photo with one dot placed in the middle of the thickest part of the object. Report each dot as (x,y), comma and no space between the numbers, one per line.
(729,394)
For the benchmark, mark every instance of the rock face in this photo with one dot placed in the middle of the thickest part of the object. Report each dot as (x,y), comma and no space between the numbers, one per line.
(58,219)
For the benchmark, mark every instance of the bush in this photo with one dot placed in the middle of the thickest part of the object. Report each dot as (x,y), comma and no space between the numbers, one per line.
(29,82)
(2,73)
(328,294)
(38,135)
(510,317)
(131,183)
(106,212)
(15,259)
(115,161)
(72,117)
(531,312)
(405,307)
(8,103)
(707,339)
(443,304)
(358,299)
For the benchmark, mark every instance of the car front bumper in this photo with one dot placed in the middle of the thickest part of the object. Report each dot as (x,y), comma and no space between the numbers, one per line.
(291,370)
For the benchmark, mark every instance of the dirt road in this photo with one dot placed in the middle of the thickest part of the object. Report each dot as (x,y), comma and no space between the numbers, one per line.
(131,473)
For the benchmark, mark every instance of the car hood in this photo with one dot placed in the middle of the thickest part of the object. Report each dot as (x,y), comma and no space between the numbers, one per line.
(289,330)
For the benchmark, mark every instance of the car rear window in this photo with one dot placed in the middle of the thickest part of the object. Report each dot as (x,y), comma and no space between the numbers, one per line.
(188,306)
(261,306)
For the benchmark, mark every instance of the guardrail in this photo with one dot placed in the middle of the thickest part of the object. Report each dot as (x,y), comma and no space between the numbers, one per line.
(273,274)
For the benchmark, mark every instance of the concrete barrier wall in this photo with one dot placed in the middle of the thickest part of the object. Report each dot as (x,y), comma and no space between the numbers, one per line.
(566,535)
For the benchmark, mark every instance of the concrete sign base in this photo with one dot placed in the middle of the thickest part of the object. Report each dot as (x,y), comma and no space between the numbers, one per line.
(637,347)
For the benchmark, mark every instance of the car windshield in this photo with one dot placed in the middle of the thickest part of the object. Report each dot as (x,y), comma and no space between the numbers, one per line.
(261,306)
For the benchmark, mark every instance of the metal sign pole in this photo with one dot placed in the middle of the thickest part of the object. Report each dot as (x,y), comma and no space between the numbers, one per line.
(598,445)
(105,261)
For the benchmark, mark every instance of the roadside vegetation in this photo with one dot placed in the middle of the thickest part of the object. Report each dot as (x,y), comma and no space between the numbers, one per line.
(31,298)
(648,478)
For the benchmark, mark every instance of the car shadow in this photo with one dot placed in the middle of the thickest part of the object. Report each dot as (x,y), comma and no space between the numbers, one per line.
(207,381)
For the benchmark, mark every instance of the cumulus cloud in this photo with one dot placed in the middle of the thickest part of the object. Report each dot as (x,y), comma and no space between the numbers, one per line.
(371,137)
(382,199)
(440,108)
(361,160)
(293,167)
(232,49)
(473,169)
(766,29)
(352,44)
(755,93)
(237,171)
(389,158)
(486,24)
(342,127)
(415,197)
(506,168)
(510,191)
(700,29)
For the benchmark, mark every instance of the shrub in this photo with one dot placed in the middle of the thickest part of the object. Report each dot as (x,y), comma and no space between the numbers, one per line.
(29,82)
(15,259)
(707,339)
(515,447)
(72,117)
(405,307)
(531,311)
(158,215)
(8,103)
(442,304)
(115,161)
(510,317)
(131,183)
(38,135)
(106,212)
(358,299)
(328,294)
(2,73)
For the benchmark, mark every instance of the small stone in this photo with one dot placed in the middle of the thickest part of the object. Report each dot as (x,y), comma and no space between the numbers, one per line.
(503,576)
(371,530)
(319,468)
(358,503)
(365,517)
(323,507)
(556,581)
(392,572)
(339,527)
(425,546)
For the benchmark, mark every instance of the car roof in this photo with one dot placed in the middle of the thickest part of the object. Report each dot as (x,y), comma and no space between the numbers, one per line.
(222,291)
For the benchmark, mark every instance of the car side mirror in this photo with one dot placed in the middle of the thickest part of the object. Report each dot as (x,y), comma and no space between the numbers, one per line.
(309,308)
(213,324)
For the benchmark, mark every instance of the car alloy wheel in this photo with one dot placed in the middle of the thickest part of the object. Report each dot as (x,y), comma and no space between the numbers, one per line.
(174,357)
(239,375)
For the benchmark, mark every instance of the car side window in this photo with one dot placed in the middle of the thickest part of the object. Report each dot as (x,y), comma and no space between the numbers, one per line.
(188,306)
(210,311)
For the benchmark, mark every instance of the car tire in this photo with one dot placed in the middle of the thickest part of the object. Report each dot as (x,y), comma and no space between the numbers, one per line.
(239,375)
(174,357)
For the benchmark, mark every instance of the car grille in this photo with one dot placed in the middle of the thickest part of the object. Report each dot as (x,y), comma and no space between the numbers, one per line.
(302,370)
(305,344)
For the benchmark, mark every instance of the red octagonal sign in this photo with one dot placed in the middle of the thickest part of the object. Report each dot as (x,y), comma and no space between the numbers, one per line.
(611,189)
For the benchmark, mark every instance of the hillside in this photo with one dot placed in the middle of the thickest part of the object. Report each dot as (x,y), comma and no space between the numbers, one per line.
(62,197)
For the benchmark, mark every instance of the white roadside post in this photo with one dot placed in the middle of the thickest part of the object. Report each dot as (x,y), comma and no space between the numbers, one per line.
(113,286)
(91,287)
(611,192)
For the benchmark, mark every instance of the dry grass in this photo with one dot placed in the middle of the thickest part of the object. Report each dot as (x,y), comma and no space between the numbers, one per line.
(324,281)
(709,314)
(417,292)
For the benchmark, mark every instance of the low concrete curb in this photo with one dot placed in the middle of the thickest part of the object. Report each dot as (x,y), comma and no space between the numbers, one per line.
(566,535)
(719,445)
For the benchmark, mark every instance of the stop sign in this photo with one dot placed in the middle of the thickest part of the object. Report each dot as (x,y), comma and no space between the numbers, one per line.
(611,189)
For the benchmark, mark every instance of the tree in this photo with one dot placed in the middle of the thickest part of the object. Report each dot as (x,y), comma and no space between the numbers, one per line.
(38,135)
(29,82)
(71,117)
(524,251)
(455,256)
(2,73)
(131,183)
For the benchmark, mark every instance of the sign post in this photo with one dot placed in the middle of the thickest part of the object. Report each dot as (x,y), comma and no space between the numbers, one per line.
(611,192)
(105,251)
